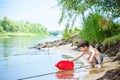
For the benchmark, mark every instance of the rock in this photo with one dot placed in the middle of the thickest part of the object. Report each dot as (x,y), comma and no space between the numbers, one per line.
(75,41)
(113,74)
(118,54)
(51,44)
(117,58)
(112,49)
(59,43)
(118,67)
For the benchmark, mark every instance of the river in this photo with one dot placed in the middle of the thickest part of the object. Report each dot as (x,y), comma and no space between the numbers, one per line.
(17,61)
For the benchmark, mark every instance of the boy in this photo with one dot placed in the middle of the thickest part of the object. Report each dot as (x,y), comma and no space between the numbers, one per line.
(92,54)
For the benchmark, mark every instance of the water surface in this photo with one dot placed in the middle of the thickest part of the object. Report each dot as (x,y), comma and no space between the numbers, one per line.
(18,61)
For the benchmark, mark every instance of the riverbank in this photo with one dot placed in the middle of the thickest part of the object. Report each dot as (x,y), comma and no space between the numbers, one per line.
(20,34)
(94,73)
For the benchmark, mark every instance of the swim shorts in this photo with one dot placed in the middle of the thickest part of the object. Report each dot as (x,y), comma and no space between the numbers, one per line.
(101,57)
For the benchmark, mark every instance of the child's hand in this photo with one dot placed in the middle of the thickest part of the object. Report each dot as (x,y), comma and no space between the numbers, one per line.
(70,60)
(90,60)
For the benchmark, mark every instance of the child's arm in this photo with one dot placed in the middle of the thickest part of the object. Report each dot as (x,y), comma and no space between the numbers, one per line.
(92,56)
(77,57)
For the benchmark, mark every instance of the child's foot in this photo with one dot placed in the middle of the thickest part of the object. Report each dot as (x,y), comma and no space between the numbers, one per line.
(92,66)
(100,66)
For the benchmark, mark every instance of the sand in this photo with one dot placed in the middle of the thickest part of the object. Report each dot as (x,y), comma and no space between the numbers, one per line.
(94,73)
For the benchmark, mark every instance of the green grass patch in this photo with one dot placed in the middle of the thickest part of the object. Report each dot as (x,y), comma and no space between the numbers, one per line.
(9,35)
(111,40)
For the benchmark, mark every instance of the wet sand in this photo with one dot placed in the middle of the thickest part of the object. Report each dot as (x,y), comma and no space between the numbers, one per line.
(94,73)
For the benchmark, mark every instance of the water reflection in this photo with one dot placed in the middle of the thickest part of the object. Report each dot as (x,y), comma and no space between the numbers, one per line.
(10,46)
(65,74)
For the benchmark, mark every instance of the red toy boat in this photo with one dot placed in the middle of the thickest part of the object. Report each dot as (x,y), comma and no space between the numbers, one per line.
(65,65)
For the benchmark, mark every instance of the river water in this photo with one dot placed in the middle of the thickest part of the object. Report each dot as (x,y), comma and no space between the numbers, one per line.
(17,61)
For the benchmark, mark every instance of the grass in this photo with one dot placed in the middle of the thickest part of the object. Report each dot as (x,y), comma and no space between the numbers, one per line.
(9,35)
(111,40)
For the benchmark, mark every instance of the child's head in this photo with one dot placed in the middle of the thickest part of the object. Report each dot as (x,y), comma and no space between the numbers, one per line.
(83,45)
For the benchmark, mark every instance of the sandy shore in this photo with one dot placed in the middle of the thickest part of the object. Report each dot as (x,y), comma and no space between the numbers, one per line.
(94,73)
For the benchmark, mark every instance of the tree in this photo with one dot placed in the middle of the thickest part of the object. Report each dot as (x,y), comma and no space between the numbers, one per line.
(1,29)
(112,6)
(5,23)
(72,9)
(8,25)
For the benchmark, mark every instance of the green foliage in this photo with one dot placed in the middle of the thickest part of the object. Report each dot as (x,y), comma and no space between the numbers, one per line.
(7,25)
(112,39)
(113,29)
(96,28)
(112,6)
(1,29)
(91,30)
(68,32)
(72,9)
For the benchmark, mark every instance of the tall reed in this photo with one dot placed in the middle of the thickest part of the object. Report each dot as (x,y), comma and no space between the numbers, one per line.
(91,30)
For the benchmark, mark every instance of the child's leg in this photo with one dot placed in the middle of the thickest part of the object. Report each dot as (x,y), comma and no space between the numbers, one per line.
(92,63)
(102,58)
(99,59)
